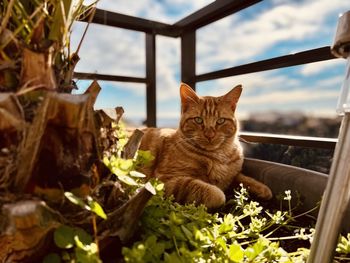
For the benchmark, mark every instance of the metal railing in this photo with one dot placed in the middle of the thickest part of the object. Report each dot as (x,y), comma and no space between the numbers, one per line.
(186,30)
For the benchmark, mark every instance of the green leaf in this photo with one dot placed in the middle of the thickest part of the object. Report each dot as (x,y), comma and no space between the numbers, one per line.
(117,171)
(79,243)
(86,252)
(52,258)
(176,218)
(236,253)
(261,244)
(227,225)
(250,253)
(172,258)
(154,248)
(253,251)
(135,254)
(137,174)
(91,248)
(149,187)
(127,180)
(125,165)
(65,256)
(90,206)
(106,161)
(187,232)
(144,157)
(76,200)
(198,235)
(221,242)
(96,208)
(64,236)
(58,27)
(83,236)
(159,187)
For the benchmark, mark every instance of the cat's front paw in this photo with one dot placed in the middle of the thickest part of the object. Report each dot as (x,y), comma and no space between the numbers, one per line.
(264,192)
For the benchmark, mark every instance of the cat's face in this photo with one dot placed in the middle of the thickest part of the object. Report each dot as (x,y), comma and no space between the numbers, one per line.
(208,122)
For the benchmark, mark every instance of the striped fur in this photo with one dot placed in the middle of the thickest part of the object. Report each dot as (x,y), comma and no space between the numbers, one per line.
(200,160)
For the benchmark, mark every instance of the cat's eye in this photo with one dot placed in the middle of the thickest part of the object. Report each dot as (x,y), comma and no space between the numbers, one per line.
(220,121)
(198,120)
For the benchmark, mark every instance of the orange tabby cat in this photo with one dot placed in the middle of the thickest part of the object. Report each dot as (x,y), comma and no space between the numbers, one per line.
(202,158)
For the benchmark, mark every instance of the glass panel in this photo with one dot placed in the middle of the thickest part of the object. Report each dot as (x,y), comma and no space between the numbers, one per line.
(267,29)
(109,50)
(297,100)
(168,81)
(132,97)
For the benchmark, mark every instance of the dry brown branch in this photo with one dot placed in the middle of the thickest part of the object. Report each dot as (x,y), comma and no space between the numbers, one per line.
(60,147)
(122,222)
(12,128)
(132,145)
(37,68)
(7,16)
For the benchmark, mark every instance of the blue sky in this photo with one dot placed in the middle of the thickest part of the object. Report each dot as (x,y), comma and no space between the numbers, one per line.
(268,29)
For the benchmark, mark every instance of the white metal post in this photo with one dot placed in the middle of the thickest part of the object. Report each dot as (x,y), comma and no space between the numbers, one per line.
(337,194)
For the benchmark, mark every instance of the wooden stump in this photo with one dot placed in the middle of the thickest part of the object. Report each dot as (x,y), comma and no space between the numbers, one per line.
(25,230)
(59,150)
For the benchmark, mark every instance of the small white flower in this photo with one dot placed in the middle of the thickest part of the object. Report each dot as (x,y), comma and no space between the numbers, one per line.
(288,196)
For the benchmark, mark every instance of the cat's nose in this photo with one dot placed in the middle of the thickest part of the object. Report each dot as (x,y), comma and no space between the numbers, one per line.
(209,134)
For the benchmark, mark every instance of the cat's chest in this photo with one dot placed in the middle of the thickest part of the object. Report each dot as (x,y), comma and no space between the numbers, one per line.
(221,171)
(217,168)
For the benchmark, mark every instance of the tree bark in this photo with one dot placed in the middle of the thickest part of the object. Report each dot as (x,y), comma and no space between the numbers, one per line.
(25,226)
(60,150)
(37,71)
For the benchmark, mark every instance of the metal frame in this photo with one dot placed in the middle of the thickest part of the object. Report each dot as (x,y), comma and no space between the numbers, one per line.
(186,30)
(309,56)
(188,58)
(151,80)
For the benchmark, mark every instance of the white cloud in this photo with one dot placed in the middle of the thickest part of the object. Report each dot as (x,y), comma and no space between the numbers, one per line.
(108,50)
(154,10)
(234,40)
(227,42)
(333,83)
(252,84)
(270,91)
(168,64)
(283,97)
(317,67)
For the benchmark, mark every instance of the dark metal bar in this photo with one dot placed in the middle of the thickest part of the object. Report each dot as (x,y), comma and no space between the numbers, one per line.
(151,104)
(108,18)
(309,56)
(81,75)
(208,14)
(188,58)
(302,141)
(213,12)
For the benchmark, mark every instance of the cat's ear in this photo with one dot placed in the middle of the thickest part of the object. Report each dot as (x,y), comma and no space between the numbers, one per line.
(188,97)
(232,96)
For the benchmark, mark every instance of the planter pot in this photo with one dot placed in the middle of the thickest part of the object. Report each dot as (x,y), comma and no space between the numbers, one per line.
(304,184)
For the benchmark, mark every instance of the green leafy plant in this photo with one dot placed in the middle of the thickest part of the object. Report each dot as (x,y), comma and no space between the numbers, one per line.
(343,248)
(75,243)
(248,233)
(76,246)
(89,204)
(243,231)
(125,170)
(43,27)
